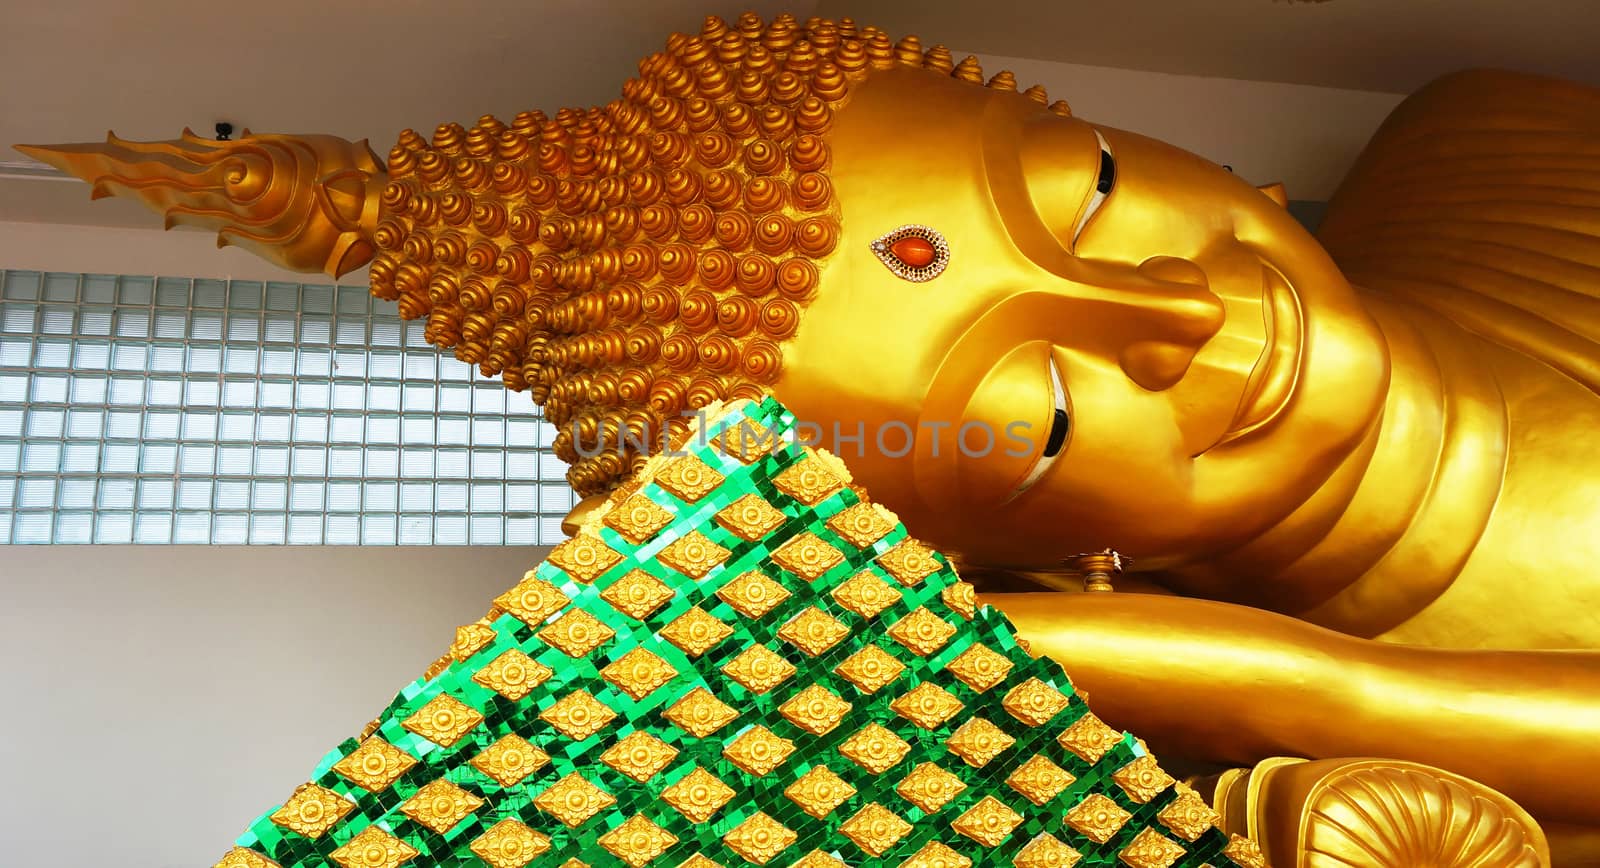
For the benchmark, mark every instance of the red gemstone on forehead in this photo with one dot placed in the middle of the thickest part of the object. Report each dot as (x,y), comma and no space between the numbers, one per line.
(913,250)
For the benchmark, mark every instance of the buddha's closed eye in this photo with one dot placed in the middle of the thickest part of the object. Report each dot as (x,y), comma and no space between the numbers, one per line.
(915,253)
(1104,181)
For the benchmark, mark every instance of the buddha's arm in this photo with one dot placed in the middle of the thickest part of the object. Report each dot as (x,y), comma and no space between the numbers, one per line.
(306,203)
(1236,684)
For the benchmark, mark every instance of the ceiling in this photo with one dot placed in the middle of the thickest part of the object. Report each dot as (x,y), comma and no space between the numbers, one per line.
(368,68)
(1394,46)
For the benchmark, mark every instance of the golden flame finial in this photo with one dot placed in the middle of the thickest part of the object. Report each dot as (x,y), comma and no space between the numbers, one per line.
(307,203)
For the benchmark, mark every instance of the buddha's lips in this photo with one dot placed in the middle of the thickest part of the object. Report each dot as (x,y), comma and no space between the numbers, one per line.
(1273,377)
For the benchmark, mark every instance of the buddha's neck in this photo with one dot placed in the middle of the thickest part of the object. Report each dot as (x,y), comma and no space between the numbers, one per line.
(1391,528)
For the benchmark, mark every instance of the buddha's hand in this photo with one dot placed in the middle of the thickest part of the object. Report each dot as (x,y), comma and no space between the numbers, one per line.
(307,203)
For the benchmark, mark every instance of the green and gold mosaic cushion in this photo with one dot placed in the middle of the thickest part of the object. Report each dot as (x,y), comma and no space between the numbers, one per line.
(740,660)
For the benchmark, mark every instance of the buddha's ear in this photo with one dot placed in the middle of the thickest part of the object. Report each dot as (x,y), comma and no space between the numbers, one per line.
(1276,192)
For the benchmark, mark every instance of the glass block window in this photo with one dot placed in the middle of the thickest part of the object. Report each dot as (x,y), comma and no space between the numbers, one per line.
(167,410)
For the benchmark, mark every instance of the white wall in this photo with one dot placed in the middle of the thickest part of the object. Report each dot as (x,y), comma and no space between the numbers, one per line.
(158,698)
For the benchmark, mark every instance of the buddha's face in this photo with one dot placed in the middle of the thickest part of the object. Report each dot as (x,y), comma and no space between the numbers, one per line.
(1167,368)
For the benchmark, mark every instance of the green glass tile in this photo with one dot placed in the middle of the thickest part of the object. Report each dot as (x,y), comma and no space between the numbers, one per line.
(753,793)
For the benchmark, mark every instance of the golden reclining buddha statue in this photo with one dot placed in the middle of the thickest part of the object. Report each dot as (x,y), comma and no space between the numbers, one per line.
(1354,475)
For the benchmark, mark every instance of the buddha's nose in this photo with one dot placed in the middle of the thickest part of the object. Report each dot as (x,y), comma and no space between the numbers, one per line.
(1179,313)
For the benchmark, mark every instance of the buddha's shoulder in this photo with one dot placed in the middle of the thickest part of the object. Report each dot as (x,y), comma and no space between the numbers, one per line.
(1479,199)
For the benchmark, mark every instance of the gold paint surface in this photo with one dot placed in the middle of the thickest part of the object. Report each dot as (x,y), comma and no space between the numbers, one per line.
(443,720)
(750,517)
(509,760)
(875,748)
(700,714)
(1046,851)
(578,715)
(807,556)
(988,822)
(637,594)
(758,669)
(875,828)
(689,478)
(929,787)
(810,482)
(239,857)
(863,524)
(745,442)
(922,632)
(753,594)
(962,598)
(757,751)
(695,632)
(979,667)
(1097,818)
(1142,779)
(698,795)
(978,741)
(813,631)
(909,562)
(639,755)
(533,600)
(866,595)
(374,848)
(1245,851)
(936,855)
(470,639)
(637,518)
(693,555)
(1039,780)
(509,844)
(1034,702)
(1386,812)
(374,765)
(759,838)
(638,673)
(1430,449)
(1367,430)
(513,674)
(1089,738)
(1188,816)
(573,800)
(819,859)
(584,557)
(870,669)
(637,841)
(1151,849)
(927,705)
(576,633)
(312,810)
(304,203)
(819,791)
(816,709)
(440,805)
